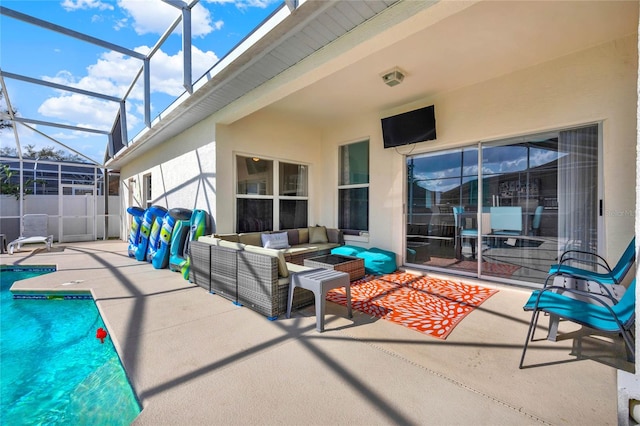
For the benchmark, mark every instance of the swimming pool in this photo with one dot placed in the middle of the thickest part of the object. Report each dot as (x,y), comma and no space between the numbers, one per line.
(54,370)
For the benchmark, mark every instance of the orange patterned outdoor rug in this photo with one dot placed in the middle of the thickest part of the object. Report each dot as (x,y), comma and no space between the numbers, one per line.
(429,305)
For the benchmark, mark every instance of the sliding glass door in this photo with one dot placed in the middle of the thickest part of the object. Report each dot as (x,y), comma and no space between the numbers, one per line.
(441,188)
(538,196)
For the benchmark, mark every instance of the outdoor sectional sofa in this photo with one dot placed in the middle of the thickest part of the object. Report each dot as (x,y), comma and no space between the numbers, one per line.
(302,242)
(237,267)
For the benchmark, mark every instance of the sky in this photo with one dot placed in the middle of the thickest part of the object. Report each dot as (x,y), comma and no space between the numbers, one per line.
(28,50)
(441,172)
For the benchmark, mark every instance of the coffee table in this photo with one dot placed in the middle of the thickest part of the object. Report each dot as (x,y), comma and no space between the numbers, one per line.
(353,266)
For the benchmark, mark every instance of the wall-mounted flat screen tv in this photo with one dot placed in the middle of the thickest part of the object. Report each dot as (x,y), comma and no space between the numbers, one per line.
(410,127)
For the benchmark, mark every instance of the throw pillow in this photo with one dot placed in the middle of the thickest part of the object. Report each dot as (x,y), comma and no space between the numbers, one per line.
(317,235)
(293,237)
(278,240)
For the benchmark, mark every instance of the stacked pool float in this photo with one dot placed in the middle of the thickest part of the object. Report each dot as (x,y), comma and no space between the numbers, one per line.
(161,237)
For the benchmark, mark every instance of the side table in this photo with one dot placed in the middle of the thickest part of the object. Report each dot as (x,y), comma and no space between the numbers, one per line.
(319,281)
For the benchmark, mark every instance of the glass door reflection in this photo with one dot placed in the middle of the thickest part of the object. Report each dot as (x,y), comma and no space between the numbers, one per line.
(538,197)
(441,187)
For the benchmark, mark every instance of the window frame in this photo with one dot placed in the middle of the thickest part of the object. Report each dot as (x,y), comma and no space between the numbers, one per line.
(147,194)
(275,196)
(348,186)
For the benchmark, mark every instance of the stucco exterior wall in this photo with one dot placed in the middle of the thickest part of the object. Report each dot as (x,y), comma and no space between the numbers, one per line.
(183,172)
(269,135)
(196,168)
(595,85)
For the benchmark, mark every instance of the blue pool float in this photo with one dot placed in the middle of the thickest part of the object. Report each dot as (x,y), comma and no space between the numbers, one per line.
(179,237)
(134,231)
(145,230)
(154,235)
(198,226)
(160,259)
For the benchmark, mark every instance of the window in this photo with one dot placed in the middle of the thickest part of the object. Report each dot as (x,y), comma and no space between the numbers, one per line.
(293,196)
(261,205)
(353,188)
(147,199)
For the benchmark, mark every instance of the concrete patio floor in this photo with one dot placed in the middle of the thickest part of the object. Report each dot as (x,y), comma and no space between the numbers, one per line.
(194,358)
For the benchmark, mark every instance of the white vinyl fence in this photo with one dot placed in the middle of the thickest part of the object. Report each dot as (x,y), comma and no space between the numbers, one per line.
(75,215)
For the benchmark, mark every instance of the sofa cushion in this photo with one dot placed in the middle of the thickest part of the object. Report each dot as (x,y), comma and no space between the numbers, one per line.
(303,235)
(292,235)
(276,240)
(231,244)
(283,271)
(300,248)
(293,268)
(227,237)
(250,238)
(316,247)
(209,239)
(335,236)
(318,234)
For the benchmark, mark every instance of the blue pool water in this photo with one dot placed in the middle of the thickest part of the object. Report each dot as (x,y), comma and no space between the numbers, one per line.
(53,369)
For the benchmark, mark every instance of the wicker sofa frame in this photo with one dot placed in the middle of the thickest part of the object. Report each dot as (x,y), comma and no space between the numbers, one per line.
(246,278)
(261,289)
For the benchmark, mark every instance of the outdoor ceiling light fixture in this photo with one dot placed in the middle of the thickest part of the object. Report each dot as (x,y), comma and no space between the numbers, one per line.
(393,77)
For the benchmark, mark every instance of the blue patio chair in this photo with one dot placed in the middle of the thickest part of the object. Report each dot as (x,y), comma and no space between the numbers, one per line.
(537,220)
(506,221)
(610,275)
(595,313)
(466,231)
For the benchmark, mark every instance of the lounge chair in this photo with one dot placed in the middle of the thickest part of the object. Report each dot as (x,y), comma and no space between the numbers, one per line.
(595,313)
(34,230)
(610,275)
(607,285)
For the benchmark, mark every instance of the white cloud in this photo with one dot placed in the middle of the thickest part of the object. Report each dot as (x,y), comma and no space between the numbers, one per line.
(166,70)
(83,110)
(155,16)
(257,3)
(112,75)
(244,4)
(71,5)
(120,24)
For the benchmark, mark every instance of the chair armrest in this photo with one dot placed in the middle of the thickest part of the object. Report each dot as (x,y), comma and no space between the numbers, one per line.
(596,259)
